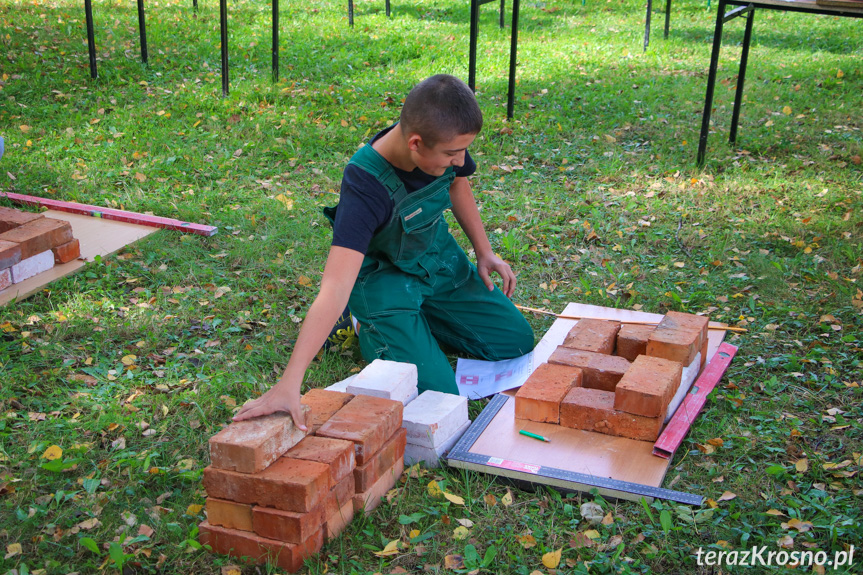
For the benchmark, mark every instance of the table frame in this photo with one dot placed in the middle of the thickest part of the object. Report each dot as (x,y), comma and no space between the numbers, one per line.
(513,48)
(747,10)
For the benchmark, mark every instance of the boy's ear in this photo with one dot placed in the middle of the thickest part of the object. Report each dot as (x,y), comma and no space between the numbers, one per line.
(413,141)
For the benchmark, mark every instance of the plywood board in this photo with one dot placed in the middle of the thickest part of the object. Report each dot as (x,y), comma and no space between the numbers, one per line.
(574,459)
(98,237)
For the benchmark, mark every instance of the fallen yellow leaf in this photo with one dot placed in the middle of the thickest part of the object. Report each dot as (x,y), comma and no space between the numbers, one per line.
(454,498)
(794,523)
(391,549)
(194,509)
(490,500)
(506,500)
(12,550)
(802,465)
(285,201)
(128,360)
(527,541)
(552,558)
(435,490)
(460,532)
(414,533)
(727,496)
(52,453)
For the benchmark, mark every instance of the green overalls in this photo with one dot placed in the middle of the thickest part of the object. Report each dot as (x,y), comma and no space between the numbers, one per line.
(416,288)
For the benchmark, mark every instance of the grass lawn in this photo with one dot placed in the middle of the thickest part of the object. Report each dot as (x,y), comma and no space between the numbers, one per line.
(591,193)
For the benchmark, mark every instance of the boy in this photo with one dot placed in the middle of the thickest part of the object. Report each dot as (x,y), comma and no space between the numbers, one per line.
(410,285)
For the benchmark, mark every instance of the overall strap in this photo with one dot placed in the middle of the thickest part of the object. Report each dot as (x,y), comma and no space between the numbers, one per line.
(369,160)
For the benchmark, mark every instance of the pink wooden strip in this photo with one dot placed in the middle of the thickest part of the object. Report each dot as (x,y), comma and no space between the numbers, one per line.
(112,214)
(677,428)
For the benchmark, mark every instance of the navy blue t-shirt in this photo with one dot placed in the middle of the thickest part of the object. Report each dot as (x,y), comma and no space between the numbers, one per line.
(365,205)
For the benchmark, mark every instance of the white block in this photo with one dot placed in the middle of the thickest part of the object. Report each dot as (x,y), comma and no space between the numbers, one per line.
(32,266)
(342,385)
(5,278)
(433,417)
(387,379)
(687,378)
(432,456)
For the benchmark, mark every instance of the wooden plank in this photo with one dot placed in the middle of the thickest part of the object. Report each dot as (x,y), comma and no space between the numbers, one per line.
(97,237)
(112,214)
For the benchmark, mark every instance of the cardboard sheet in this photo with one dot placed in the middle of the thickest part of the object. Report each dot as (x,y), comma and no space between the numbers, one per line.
(98,237)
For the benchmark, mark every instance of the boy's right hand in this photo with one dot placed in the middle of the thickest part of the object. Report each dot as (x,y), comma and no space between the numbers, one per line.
(280,397)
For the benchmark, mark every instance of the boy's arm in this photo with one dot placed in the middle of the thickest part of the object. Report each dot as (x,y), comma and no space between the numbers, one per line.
(465,211)
(340,273)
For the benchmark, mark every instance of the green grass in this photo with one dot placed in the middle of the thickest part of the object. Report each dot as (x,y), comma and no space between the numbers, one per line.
(591,193)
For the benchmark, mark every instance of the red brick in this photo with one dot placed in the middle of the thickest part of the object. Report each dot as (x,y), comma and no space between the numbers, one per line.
(323,403)
(67,252)
(287,526)
(593,410)
(596,335)
(337,453)
(382,461)
(600,371)
(229,514)
(250,446)
(678,337)
(632,340)
(288,484)
(540,396)
(368,500)
(367,421)
(340,494)
(10,254)
(11,218)
(5,279)
(39,236)
(336,523)
(239,544)
(648,386)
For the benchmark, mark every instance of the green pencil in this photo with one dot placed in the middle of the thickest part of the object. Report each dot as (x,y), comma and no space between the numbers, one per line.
(534,435)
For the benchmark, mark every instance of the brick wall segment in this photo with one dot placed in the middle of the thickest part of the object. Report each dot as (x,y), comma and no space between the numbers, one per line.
(386,379)
(367,421)
(259,549)
(67,252)
(433,417)
(288,484)
(5,278)
(340,495)
(323,404)
(599,371)
(287,526)
(229,514)
(539,397)
(39,235)
(597,335)
(10,254)
(632,340)
(337,453)
(11,218)
(678,337)
(367,474)
(250,446)
(431,456)
(593,410)
(367,501)
(32,266)
(648,386)
(338,521)
(689,321)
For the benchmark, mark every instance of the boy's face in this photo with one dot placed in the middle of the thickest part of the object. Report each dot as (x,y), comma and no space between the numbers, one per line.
(434,160)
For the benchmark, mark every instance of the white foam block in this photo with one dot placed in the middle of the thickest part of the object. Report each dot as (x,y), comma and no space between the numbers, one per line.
(690,372)
(387,379)
(433,418)
(26,269)
(342,385)
(432,456)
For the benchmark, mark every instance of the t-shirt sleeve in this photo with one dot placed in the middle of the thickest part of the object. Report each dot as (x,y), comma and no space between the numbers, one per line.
(468,168)
(364,206)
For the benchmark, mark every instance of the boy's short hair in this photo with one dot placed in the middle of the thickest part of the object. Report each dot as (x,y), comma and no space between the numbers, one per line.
(439,109)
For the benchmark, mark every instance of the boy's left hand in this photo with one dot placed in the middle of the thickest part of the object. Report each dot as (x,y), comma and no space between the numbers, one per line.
(492,263)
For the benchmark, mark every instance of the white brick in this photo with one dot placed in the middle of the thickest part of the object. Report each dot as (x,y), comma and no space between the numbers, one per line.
(387,379)
(32,266)
(5,278)
(432,456)
(433,417)
(342,385)
(687,378)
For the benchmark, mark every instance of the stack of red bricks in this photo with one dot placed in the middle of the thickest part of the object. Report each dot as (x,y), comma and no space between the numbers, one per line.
(615,379)
(276,493)
(31,244)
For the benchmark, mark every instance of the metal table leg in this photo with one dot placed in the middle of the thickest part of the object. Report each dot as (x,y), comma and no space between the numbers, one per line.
(195,5)
(741,77)
(502,12)
(647,24)
(667,17)
(351,12)
(91,41)
(388,8)
(474,31)
(275,40)
(142,30)
(513,53)
(223,28)
(711,83)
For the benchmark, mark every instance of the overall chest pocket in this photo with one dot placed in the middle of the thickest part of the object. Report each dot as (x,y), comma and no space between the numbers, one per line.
(421,223)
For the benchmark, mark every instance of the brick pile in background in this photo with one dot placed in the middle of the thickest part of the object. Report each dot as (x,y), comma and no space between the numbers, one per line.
(31,244)
(277,494)
(615,378)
